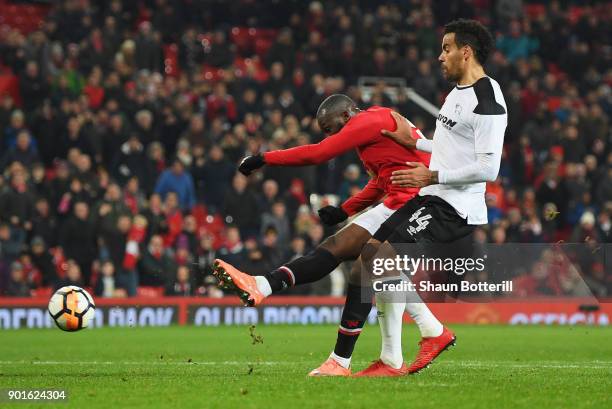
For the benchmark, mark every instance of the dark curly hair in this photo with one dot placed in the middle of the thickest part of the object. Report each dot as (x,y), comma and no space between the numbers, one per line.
(474,34)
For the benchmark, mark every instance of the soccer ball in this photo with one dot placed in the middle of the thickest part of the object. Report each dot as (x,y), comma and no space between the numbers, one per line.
(71,308)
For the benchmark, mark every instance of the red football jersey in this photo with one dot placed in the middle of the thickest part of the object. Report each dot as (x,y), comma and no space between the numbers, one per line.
(379,154)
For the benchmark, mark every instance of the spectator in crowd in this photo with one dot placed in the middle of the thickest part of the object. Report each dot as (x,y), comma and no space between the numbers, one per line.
(12,240)
(604,225)
(233,249)
(196,132)
(177,180)
(43,261)
(269,196)
(181,284)
(189,234)
(217,174)
(517,44)
(23,152)
(17,203)
(277,220)
(240,207)
(17,285)
(154,213)
(73,275)
(220,104)
(538,282)
(148,53)
(114,243)
(273,250)
(173,219)
(585,231)
(205,257)
(131,161)
(156,266)
(78,240)
(107,284)
(352,179)
(108,210)
(33,87)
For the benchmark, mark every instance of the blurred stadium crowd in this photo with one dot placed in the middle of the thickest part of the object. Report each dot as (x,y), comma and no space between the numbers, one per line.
(120,142)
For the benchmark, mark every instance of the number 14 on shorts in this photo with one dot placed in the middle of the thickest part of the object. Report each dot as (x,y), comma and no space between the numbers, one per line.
(420,219)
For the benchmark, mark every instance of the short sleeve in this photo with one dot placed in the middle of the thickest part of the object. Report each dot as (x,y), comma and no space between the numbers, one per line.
(489,133)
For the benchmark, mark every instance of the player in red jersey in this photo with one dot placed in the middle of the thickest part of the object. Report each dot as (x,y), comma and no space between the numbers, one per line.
(346,127)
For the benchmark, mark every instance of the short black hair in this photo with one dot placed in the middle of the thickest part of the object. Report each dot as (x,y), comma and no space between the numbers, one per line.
(474,34)
(335,104)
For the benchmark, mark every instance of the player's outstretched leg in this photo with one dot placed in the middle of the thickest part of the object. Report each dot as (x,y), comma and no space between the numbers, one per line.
(344,245)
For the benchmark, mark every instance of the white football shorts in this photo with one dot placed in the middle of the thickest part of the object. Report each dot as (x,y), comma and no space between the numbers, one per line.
(373,218)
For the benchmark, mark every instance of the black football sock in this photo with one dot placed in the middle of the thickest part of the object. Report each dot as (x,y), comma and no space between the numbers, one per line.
(354,316)
(307,269)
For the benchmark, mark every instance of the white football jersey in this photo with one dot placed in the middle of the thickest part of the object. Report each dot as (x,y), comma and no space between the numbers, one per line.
(472,120)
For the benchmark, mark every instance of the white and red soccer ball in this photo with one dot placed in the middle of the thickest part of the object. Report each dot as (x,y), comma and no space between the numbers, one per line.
(72,308)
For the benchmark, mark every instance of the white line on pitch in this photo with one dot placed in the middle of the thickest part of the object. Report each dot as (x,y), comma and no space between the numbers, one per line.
(467,364)
(532,365)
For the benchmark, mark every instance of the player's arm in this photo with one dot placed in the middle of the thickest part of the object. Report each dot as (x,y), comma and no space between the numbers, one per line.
(408,135)
(370,194)
(359,131)
(488,143)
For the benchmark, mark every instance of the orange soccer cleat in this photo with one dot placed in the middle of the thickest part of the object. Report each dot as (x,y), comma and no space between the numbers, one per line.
(379,369)
(331,367)
(244,285)
(430,348)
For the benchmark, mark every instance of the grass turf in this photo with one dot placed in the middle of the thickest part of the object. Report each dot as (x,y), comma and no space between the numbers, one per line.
(190,367)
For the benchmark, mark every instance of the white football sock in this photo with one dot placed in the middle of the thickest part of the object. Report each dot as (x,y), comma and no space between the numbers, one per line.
(428,324)
(344,362)
(390,321)
(263,285)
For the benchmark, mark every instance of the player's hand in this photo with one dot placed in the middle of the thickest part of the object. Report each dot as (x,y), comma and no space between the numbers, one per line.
(403,133)
(331,215)
(251,163)
(417,176)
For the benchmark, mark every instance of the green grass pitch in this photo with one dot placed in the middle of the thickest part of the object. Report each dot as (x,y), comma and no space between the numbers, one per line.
(190,367)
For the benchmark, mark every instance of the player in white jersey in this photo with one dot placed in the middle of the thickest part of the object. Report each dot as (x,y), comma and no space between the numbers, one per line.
(466,153)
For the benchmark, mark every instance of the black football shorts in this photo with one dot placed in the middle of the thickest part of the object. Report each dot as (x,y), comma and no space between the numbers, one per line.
(424,219)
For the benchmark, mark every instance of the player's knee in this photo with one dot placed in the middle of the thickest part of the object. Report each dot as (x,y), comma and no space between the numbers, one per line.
(331,244)
(369,250)
(341,249)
